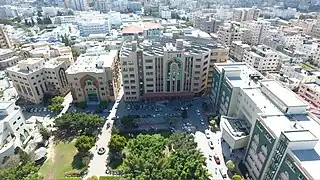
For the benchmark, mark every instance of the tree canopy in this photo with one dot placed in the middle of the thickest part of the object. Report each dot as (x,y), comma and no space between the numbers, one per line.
(84,144)
(117,143)
(230,165)
(78,123)
(156,157)
(56,104)
(20,167)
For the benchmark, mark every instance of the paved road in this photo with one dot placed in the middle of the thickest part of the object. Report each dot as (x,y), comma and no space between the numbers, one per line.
(202,141)
(97,165)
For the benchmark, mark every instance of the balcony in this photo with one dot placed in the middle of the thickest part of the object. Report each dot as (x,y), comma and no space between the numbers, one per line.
(235,132)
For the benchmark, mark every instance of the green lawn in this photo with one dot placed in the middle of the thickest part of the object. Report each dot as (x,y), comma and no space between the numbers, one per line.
(65,160)
(109,178)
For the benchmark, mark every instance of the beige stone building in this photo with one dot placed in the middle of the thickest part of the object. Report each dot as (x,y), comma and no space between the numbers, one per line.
(34,77)
(94,77)
(230,32)
(8,58)
(167,69)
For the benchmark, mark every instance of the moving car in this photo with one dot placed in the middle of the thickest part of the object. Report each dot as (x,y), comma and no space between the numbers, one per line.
(210,143)
(210,157)
(216,159)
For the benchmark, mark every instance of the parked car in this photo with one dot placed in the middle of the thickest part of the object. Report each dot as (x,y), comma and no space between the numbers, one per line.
(198,112)
(223,172)
(210,157)
(207,133)
(210,143)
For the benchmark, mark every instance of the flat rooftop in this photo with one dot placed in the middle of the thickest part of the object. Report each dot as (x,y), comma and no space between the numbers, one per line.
(239,128)
(288,97)
(94,63)
(313,85)
(261,101)
(239,74)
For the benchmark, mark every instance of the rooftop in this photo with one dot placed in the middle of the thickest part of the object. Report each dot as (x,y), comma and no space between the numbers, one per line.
(159,46)
(92,63)
(284,94)
(239,74)
(5,51)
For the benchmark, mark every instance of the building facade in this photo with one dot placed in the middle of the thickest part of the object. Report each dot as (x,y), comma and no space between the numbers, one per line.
(94,77)
(262,58)
(5,39)
(230,32)
(14,131)
(165,69)
(88,27)
(8,58)
(33,78)
(266,123)
(256,31)
(245,14)
(237,49)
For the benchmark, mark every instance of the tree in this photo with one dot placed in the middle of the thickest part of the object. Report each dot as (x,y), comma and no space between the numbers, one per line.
(25,171)
(127,120)
(45,133)
(32,22)
(230,165)
(117,143)
(39,13)
(75,54)
(59,13)
(84,144)
(26,22)
(65,40)
(70,13)
(236,177)
(78,124)
(56,104)
(212,123)
(39,20)
(156,157)
(12,161)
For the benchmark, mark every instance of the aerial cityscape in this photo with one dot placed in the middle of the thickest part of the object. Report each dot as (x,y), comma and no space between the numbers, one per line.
(159,90)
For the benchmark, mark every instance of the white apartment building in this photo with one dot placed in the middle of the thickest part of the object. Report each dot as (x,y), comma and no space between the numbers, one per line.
(257,31)
(265,124)
(207,23)
(5,39)
(262,58)
(307,47)
(290,40)
(82,47)
(245,14)
(91,26)
(49,11)
(94,77)
(165,69)
(237,49)
(165,14)
(316,55)
(8,58)
(230,32)
(13,130)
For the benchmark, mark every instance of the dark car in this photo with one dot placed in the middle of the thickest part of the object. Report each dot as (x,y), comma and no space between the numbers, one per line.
(216,159)
(101,151)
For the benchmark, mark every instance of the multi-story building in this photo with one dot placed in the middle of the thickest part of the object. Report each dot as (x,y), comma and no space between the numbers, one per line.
(87,27)
(33,78)
(316,54)
(245,14)
(166,69)
(5,39)
(13,130)
(230,32)
(311,91)
(8,58)
(81,5)
(237,49)
(257,31)
(262,58)
(94,77)
(207,24)
(266,123)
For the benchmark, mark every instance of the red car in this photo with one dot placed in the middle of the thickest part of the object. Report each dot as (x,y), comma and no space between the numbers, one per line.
(216,159)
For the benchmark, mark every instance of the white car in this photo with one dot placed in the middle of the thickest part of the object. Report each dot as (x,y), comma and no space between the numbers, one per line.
(198,112)
(207,133)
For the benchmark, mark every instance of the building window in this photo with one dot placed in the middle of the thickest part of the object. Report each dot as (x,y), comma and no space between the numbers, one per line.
(102,89)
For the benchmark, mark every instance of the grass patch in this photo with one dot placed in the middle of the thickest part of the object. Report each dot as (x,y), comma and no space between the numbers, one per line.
(109,178)
(72,178)
(65,159)
(306,67)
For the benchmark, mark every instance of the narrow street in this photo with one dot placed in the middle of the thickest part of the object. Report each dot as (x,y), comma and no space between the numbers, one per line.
(97,165)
